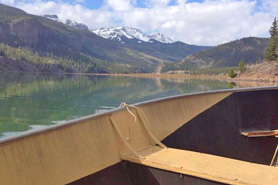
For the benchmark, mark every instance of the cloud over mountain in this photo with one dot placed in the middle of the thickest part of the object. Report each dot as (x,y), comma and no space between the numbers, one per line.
(208,22)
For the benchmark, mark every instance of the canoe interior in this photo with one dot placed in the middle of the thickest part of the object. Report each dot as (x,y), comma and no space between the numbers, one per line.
(126,173)
(217,130)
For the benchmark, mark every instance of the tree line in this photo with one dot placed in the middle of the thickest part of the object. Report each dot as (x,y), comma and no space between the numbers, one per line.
(46,62)
(271,52)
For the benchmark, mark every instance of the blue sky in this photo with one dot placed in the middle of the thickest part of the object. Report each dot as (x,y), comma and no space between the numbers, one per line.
(96,4)
(202,22)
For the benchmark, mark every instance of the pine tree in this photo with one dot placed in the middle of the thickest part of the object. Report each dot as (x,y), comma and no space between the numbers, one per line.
(232,73)
(242,66)
(271,52)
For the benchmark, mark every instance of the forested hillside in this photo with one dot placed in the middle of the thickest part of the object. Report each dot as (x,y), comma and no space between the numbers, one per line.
(224,56)
(21,59)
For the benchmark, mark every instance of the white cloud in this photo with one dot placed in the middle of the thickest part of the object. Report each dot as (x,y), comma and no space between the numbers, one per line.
(211,22)
(118,5)
(7,2)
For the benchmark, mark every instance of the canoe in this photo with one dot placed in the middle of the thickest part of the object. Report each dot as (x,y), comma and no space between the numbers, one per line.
(187,139)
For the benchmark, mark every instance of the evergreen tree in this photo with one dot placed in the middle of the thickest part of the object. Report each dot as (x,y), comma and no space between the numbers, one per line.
(242,66)
(271,52)
(232,73)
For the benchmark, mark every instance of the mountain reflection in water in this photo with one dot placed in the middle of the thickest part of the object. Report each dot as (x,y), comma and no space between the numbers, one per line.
(35,101)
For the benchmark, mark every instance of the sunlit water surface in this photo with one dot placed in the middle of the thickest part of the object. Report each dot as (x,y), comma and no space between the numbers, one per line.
(35,101)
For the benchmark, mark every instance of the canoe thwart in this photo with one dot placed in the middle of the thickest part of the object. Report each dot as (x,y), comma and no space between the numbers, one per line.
(259,133)
(205,166)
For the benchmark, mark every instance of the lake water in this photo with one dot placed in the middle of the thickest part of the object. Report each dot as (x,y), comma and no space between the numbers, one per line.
(34,101)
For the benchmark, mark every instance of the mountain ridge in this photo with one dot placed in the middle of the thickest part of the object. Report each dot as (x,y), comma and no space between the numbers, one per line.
(115,33)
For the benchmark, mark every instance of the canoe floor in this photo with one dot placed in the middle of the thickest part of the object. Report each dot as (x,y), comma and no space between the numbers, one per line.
(210,167)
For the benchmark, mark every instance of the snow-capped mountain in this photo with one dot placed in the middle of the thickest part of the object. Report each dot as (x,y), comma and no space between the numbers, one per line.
(117,33)
(67,22)
(161,38)
(156,45)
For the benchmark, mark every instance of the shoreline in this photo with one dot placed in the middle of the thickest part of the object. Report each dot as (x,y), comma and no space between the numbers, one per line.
(169,76)
(188,76)
(140,75)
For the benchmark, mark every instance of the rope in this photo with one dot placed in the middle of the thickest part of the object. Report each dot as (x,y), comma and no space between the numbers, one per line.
(123,104)
(275,153)
(145,122)
(123,139)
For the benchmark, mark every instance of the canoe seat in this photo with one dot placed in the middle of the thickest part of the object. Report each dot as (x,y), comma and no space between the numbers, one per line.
(210,167)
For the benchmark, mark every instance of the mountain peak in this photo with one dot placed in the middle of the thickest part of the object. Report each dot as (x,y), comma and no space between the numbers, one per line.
(161,38)
(67,22)
(118,33)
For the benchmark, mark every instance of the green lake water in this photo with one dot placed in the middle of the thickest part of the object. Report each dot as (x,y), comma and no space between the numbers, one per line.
(35,101)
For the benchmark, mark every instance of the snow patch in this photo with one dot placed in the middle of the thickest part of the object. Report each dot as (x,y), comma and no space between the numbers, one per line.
(161,38)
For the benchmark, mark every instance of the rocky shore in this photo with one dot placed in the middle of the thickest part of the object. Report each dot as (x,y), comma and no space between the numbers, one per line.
(262,72)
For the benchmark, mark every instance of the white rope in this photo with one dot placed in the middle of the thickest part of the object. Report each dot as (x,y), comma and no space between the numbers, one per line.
(275,153)
(145,123)
(123,104)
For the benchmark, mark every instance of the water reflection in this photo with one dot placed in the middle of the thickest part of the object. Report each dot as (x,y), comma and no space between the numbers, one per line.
(34,101)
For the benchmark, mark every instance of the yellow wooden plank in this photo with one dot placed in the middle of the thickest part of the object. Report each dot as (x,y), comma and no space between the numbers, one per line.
(215,168)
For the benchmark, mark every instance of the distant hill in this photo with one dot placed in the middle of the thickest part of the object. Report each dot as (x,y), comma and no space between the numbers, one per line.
(250,49)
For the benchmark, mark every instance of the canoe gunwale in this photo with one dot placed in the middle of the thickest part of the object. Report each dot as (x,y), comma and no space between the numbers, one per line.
(31,133)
